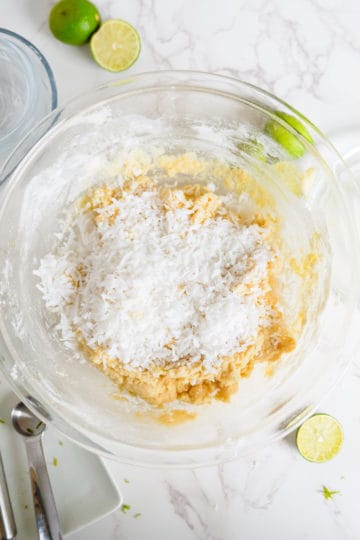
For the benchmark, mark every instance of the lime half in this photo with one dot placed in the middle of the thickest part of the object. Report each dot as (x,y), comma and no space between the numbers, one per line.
(116,45)
(319,438)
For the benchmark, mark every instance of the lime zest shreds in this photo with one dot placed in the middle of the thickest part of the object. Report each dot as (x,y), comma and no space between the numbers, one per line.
(253,148)
(125,508)
(328,494)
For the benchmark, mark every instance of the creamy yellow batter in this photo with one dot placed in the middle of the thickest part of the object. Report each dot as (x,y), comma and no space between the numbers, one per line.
(187,382)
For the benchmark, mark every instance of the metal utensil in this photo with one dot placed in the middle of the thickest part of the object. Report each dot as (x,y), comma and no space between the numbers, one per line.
(31,428)
(7,521)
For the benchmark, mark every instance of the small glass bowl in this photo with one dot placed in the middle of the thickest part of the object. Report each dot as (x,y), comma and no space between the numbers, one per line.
(27,89)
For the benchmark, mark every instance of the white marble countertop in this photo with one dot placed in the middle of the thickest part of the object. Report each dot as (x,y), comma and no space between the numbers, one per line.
(307,52)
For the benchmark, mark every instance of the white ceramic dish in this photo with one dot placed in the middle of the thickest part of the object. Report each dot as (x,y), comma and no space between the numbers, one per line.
(83,489)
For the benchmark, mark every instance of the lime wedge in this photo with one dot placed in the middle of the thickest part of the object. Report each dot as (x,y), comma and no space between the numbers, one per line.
(319,438)
(296,124)
(116,45)
(286,139)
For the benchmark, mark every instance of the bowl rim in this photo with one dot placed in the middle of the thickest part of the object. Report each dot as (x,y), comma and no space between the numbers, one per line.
(214,77)
(43,60)
(5,170)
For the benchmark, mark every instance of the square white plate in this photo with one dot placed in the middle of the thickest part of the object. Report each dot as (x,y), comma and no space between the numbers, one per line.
(83,489)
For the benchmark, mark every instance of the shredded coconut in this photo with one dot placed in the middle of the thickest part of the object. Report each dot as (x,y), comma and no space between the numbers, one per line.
(153,287)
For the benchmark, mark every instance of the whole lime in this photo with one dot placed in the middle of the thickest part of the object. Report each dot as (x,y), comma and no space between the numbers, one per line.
(74,21)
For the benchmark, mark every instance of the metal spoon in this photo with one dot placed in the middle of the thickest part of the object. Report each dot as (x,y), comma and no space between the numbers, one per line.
(30,427)
(7,520)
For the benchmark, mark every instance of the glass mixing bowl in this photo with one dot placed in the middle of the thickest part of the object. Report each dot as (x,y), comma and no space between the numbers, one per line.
(217,118)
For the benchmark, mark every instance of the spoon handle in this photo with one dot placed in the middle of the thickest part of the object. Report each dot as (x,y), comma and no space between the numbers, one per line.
(47,520)
(7,525)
